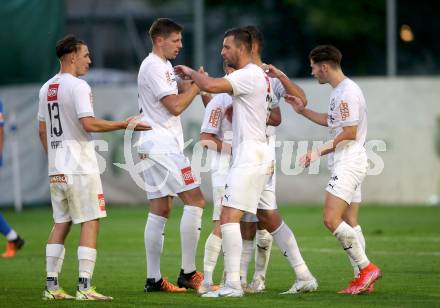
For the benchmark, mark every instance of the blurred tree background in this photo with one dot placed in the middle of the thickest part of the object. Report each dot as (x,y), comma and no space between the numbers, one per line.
(116,32)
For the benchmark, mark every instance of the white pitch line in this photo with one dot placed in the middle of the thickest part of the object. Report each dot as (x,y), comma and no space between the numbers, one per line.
(396,253)
(379,238)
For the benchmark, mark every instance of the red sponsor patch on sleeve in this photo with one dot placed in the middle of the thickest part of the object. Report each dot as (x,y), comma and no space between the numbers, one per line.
(187,175)
(344,110)
(214,117)
(101,202)
(52,92)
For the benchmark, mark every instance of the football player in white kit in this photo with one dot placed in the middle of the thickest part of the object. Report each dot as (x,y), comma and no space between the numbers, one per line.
(347,159)
(281,85)
(252,165)
(66,120)
(168,172)
(216,136)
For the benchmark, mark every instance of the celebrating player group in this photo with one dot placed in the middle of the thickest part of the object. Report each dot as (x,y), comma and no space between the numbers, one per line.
(239,126)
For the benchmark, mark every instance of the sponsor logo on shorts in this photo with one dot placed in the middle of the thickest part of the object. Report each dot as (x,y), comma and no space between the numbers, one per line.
(214,118)
(101,202)
(187,175)
(57,179)
(345,111)
(52,92)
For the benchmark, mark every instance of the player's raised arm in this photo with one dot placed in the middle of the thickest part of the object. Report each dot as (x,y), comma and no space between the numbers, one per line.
(176,104)
(289,86)
(298,106)
(204,82)
(96,125)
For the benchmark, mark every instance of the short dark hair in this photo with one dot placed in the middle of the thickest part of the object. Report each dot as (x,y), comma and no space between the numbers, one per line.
(326,53)
(257,36)
(241,37)
(163,27)
(68,44)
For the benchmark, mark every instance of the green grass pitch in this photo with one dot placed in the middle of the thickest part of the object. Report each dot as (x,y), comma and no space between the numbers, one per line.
(403,241)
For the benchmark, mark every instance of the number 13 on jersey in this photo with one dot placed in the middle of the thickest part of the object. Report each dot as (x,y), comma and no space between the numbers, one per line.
(54,110)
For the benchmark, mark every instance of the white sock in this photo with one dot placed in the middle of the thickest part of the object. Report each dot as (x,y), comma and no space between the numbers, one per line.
(87,259)
(54,261)
(12,235)
(361,239)
(286,241)
(262,254)
(349,241)
(246,257)
(232,246)
(360,236)
(154,238)
(190,225)
(213,247)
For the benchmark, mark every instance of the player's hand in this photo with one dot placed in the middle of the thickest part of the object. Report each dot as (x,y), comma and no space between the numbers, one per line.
(201,70)
(271,70)
(138,126)
(183,71)
(296,103)
(308,158)
(229,112)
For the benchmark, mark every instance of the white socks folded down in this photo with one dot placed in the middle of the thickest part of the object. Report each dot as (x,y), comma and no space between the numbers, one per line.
(286,241)
(213,247)
(350,242)
(54,261)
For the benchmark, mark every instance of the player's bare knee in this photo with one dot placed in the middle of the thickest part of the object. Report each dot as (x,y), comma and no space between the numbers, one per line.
(330,223)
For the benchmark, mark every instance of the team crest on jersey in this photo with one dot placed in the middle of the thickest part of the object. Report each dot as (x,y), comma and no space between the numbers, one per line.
(344,110)
(214,118)
(187,175)
(101,202)
(52,92)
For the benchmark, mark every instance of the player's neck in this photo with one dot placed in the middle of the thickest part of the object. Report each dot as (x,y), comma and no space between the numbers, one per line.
(243,62)
(68,69)
(257,61)
(337,78)
(158,52)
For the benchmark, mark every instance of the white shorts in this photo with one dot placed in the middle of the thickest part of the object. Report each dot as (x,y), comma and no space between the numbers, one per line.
(77,198)
(167,175)
(346,179)
(245,185)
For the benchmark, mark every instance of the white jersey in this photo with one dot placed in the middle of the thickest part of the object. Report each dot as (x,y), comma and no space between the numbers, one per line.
(252,94)
(347,107)
(215,122)
(156,80)
(63,100)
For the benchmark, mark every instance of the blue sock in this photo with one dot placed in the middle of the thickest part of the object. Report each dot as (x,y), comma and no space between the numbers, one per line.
(4,227)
